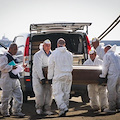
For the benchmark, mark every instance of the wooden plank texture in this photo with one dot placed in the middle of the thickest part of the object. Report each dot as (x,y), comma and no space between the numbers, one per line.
(86,74)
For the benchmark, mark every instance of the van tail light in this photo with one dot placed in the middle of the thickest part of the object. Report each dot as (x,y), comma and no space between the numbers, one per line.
(88,44)
(26,56)
(28,80)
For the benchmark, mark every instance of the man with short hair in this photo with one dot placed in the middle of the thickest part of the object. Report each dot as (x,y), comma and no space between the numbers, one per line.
(59,71)
(111,66)
(10,85)
(42,90)
(97,93)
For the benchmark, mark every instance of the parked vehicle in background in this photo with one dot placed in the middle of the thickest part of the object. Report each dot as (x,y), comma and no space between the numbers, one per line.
(76,41)
(4,45)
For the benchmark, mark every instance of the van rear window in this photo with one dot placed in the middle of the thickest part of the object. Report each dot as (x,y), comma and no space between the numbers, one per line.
(74,42)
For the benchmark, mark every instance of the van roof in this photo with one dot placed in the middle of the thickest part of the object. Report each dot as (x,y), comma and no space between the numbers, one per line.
(59,27)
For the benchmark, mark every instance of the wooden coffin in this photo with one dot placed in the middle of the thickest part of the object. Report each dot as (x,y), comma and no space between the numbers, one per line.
(86,74)
(83,74)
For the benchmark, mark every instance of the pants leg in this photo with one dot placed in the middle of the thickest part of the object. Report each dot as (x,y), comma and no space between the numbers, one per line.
(112,94)
(39,96)
(5,99)
(103,96)
(93,95)
(58,94)
(48,97)
(67,89)
(17,100)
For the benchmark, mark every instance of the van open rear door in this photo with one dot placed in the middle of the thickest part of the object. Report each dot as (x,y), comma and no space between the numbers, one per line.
(59,26)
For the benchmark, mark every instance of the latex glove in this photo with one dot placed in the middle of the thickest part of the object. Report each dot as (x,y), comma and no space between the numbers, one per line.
(43,81)
(50,81)
(102,80)
(102,76)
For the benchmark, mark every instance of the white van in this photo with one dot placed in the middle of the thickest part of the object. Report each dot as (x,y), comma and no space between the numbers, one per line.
(77,42)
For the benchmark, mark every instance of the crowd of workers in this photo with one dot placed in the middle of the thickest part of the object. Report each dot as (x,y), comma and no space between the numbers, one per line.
(59,79)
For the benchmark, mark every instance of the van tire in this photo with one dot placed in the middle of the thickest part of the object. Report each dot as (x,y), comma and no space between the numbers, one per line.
(25,97)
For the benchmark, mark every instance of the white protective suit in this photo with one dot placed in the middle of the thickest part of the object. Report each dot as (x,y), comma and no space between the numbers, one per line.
(10,88)
(59,69)
(100,51)
(43,93)
(111,65)
(97,93)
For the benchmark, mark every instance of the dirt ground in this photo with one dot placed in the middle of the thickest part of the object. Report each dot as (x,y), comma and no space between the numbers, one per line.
(77,111)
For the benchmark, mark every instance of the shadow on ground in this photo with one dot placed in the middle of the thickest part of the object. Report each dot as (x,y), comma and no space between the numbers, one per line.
(29,110)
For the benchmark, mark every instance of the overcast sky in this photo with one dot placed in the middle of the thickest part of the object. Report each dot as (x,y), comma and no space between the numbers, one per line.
(17,15)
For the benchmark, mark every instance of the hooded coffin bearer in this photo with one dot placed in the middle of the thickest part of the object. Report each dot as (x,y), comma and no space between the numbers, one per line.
(86,74)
